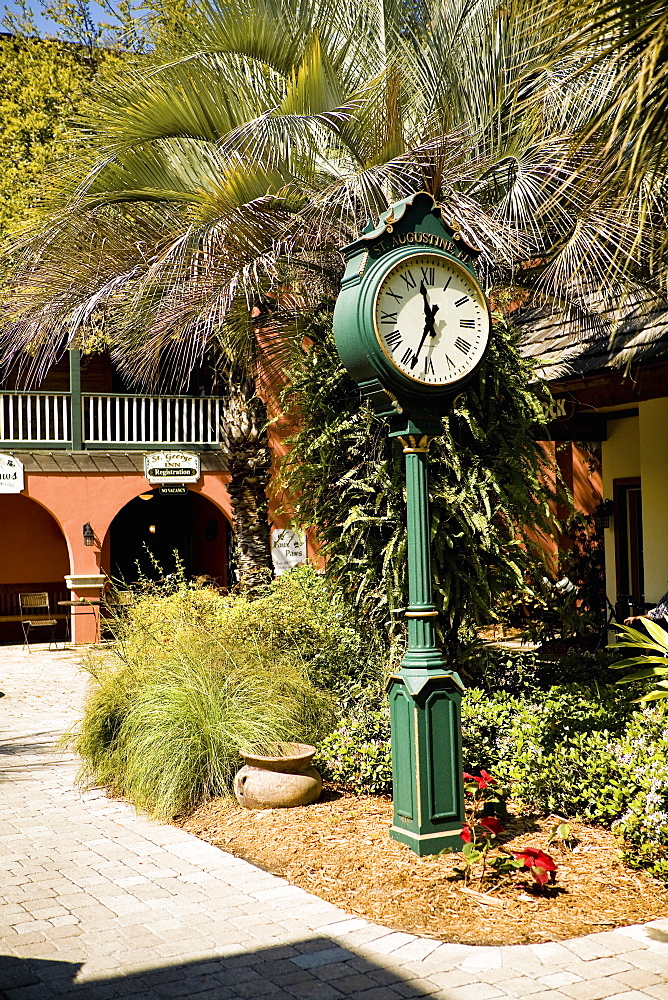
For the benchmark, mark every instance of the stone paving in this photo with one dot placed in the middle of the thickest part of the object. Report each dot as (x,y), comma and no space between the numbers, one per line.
(98,902)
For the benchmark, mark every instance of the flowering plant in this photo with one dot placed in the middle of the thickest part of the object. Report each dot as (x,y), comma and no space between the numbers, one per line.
(482,795)
(540,864)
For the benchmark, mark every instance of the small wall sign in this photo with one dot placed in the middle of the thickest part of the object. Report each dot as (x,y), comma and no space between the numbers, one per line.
(11,474)
(288,549)
(173,491)
(171,467)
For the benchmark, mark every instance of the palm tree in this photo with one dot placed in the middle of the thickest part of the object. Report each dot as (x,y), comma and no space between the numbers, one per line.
(631,38)
(223,175)
(628,41)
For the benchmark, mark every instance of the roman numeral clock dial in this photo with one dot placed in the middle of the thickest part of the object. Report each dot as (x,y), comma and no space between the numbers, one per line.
(431,319)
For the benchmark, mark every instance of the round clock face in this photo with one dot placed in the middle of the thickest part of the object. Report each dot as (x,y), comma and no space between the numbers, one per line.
(431,319)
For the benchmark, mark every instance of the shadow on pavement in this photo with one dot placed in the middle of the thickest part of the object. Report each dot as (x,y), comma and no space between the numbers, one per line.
(15,745)
(313,969)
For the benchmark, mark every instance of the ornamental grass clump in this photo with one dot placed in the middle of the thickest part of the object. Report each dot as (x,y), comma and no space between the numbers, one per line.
(180,740)
(182,693)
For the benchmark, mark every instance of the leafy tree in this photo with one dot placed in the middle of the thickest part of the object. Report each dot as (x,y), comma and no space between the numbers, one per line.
(620,47)
(42,83)
(628,38)
(275,128)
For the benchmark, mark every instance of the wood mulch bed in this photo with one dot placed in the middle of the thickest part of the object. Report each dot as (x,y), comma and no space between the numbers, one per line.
(339,849)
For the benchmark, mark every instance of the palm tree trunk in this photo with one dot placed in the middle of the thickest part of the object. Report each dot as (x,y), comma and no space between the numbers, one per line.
(245,444)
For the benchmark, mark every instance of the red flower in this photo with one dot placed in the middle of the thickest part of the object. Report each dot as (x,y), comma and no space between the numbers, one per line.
(483,780)
(466,834)
(533,858)
(540,875)
(538,862)
(493,824)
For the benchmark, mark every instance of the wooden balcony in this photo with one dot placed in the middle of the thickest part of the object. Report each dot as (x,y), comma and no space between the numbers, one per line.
(64,421)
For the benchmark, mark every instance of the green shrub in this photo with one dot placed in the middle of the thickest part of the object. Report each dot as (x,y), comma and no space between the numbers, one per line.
(521,671)
(555,748)
(344,655)
(580,751)
(299,615)
(644,756)
(487,728)
(358,753)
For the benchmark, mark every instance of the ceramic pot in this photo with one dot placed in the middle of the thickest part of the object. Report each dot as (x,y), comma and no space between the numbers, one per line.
(279,782)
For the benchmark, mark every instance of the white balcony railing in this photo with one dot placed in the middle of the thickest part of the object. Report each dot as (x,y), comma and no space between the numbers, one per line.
(115,420)
(35,417)
(109,420)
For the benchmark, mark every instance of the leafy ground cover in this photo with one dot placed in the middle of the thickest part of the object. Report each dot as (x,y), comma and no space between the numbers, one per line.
(577,750)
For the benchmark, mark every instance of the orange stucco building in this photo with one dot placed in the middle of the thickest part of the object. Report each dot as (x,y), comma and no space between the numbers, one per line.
(82,445)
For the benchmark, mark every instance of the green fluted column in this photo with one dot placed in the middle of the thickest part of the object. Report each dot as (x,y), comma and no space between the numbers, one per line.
(425,696)
(422,650)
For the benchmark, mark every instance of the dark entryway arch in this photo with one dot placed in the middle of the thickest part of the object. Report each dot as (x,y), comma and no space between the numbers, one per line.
(34,558)
(154,530)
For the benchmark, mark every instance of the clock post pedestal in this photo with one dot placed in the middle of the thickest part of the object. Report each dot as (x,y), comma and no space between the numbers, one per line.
(425,696)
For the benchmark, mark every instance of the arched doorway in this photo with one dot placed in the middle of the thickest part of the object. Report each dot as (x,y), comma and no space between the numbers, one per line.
(155,530)
(34,558)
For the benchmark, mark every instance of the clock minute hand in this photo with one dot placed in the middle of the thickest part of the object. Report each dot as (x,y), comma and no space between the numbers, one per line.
(428,323)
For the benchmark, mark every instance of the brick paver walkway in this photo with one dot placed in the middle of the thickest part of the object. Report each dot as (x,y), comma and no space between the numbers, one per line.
(98,902)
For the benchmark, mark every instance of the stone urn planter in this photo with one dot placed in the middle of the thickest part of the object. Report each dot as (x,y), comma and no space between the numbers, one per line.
(280,782)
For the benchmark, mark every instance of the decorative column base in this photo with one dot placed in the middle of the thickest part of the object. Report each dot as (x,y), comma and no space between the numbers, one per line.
(425,711)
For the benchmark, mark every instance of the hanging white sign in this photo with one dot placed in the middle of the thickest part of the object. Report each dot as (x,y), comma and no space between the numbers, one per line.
(171,467)
(288,549)
(11,474)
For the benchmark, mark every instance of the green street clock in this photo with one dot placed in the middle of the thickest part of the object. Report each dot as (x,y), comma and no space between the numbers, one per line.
(412,326)
(411,323)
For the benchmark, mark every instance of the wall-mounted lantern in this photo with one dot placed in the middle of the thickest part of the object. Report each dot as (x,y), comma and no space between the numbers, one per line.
(603,513)
(88,535)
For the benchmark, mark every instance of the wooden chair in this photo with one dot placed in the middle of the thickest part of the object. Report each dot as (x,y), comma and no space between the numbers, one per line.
(36,613)
(118,601)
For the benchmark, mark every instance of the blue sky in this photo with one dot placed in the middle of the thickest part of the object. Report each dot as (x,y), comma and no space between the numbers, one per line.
(46,26)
